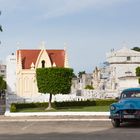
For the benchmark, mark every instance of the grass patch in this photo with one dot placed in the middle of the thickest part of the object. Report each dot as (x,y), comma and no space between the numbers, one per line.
(68,109)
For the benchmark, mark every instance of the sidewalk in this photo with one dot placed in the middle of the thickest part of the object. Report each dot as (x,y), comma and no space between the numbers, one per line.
(55,116)
(8,113)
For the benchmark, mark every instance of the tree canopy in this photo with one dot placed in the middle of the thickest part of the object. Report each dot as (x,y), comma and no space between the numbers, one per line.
(0,28)
(138,73)
(136,49)
(80,74)
(54,80)
(2,84)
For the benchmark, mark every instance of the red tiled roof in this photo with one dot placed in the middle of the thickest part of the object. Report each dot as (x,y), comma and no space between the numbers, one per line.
(29,56)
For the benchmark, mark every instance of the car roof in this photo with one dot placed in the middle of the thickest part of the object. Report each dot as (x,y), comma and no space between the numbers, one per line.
(131,90)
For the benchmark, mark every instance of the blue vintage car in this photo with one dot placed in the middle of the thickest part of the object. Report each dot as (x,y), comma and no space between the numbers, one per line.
(127,108)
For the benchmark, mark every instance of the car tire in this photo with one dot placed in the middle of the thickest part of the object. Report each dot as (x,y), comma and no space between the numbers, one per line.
(115,122)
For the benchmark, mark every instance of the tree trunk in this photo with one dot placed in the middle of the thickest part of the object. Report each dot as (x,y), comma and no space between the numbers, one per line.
(50,99)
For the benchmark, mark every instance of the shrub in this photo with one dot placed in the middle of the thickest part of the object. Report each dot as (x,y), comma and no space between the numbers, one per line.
(17,106)
(13,108)
(98,102)
(106,102)
(75,103)
(89,87)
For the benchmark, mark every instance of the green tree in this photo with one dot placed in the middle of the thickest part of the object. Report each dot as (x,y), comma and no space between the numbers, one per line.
(80,74)
(2,84)
(0,25)
(138,73)
(54,81)
(136,49)
(74,75)
(0,28)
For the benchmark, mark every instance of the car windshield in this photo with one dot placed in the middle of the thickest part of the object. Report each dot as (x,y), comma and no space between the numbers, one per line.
(130,94)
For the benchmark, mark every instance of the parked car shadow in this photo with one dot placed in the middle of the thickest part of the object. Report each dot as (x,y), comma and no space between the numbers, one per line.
(135,124)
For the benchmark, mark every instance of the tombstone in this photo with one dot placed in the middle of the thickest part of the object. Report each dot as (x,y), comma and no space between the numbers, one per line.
(78,93)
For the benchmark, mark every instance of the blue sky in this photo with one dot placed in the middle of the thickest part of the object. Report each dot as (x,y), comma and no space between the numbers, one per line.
(90,28)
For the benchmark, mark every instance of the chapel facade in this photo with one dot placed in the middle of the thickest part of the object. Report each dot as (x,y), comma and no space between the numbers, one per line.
(27,61)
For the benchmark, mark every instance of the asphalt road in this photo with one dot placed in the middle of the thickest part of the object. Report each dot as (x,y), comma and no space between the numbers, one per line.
(67,130)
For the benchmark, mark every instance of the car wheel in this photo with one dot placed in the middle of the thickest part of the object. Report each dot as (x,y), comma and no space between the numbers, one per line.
(115,122)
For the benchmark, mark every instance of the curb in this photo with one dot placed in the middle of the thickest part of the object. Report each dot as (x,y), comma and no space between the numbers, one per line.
(29,114)
(50,120)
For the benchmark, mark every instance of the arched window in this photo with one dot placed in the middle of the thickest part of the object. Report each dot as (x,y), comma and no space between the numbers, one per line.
(43,63)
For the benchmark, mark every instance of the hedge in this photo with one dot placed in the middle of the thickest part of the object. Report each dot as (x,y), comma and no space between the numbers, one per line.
(75,103)
(17,106)
(85,103)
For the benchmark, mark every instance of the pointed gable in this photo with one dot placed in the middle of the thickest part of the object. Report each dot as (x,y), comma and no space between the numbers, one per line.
(31,56)
(57,57)
(43,59)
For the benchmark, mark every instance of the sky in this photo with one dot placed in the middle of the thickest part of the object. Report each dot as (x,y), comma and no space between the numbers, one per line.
(88,28)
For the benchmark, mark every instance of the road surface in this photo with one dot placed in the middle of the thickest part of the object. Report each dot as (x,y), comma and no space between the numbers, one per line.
(67,130)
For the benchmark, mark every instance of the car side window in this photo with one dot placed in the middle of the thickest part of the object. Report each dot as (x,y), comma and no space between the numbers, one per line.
(136,95)
(123,95)
(130,95)
(126,95)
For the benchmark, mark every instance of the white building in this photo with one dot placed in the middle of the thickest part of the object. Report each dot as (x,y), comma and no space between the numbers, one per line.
(117,73)
(121,68)
(11,73)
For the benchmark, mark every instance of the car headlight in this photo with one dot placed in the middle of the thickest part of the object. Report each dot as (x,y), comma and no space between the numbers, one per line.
(112,107)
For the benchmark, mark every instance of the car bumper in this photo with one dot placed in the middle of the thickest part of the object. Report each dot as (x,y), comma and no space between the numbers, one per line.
(125,117)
